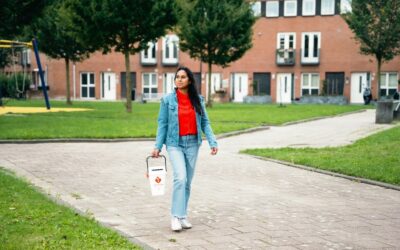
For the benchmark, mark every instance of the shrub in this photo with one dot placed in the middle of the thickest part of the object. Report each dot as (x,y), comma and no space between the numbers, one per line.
(17,85)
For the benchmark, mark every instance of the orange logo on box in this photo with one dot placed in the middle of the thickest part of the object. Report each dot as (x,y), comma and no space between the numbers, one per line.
(158,179)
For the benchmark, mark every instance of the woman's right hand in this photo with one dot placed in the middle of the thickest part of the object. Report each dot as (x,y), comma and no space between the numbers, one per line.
(155,153)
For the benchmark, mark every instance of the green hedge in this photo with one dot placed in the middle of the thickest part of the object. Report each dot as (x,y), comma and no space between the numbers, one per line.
(14,85)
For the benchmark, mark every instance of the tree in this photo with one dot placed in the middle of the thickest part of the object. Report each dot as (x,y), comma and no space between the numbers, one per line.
(57,39)
(16,16)
(376,25)
(123,26)
(215,32)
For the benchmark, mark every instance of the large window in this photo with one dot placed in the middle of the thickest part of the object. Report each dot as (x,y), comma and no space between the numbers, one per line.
(272,9)
(290,8)
(87,85)
(310,47)
(170,49)
(216,83)
(327,7)
(308,7)
(388,83)
(345,6)
(286,45)
(309,84)
(256,7)
(149,85)
(149,55)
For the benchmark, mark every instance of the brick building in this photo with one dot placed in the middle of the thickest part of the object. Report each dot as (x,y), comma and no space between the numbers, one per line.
(300,48)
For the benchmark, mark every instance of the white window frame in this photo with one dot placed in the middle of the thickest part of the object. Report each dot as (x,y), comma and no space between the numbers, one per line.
(287,2)
(308,86)
(150,85)
(216,82)
(149,56)
(256,7)
(170,49)
(310,12)
(269,6)
(26,57)
(89,85)
(327,7)
(385,81)
(287,47)
(345,6)
(171,76)
(310,58)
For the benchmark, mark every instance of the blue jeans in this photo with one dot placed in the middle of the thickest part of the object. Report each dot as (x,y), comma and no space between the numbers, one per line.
(183,159)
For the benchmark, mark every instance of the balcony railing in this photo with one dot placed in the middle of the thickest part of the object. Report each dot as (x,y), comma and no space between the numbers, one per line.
(311,59)
(285,57)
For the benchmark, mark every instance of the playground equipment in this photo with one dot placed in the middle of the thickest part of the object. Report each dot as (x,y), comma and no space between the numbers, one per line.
(16,44)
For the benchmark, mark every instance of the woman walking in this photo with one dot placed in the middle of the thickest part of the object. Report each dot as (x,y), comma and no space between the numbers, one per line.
(181,121)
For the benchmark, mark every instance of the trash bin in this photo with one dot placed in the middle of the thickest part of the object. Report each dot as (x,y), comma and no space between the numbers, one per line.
(133,94)
(384,112)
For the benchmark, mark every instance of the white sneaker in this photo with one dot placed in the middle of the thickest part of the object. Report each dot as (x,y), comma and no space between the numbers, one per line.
(185,223)
(175,224)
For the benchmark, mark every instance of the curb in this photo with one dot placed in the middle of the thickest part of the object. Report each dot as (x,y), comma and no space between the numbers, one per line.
(82,213)
(352,178)
(85,140)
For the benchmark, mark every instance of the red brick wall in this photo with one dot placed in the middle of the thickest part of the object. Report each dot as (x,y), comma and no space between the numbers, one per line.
(339,53)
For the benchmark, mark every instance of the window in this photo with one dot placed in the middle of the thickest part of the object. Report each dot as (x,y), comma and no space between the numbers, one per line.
(26,57)
(327,7)
(256,7)
(310,45)
(148,56)
(308,7)
(286,45)
(290,8)
(87,85)
(216,83)
(149,85)
(345,6)
(169,83)
(272,9)
(388,83)
(309,84)
(170,49)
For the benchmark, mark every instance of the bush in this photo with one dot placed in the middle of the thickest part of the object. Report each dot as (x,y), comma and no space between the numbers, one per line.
(16,86)
(3,85)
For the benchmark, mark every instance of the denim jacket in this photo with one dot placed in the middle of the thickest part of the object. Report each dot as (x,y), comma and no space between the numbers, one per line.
(168,123)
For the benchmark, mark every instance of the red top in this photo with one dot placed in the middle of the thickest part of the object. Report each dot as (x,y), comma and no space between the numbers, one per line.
(186,115)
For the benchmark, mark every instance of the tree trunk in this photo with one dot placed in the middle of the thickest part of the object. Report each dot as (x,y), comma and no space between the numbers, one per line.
(209,98)
(378,92)
(68,92)
(128,83)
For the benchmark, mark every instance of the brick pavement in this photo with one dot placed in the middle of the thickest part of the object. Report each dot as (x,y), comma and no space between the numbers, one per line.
(238,202)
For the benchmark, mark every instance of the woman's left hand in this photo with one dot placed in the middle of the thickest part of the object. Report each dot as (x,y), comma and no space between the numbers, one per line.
(214,151)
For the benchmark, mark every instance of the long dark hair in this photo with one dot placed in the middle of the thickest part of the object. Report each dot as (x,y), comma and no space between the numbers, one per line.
(192,91)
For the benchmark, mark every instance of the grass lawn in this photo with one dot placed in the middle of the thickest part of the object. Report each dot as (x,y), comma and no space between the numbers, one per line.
(30,220)
(376,157)
(109,119)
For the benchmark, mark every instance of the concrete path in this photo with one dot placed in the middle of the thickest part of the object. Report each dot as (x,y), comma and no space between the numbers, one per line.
(238,202)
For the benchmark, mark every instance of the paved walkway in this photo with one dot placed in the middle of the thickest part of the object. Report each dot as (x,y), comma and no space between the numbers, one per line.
(238,202)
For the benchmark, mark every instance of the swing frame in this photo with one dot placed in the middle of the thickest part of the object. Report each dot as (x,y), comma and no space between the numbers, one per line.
(7,44)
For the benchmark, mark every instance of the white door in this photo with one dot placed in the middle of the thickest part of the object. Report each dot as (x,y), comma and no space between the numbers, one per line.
(169,83)
(109,86)
(284,88)
(240,86)
(358,83)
